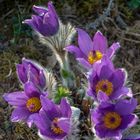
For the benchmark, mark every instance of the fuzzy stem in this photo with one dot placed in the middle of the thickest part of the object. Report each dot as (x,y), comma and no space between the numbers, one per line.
(66,73)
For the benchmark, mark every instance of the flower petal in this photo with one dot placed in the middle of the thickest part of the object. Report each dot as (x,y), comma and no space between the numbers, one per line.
(20,114)
(91,93)
(65,108)
(64,124)
(22,73)
(99,42)
(73,49)
(105,72)
(95,116)
(102,97)
(50,108)
(52,9)
(16,98)
(124,91)
(42,79)
(31,119)
(32,23)
(111,51)
(128,121)
(40,10)
(41,120)
(31,90)
(125,107)
(103,132)
(118,78)
(84,41)
(84,63)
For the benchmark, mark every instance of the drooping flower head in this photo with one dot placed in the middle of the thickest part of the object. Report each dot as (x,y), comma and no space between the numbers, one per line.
(106,82)
(89,52)
(27,103)
(53,121)
(110,120)
(30,71)
(46,21)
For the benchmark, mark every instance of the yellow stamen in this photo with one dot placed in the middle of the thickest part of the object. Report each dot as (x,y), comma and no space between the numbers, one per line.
(55,128)
(94,56)
(105,86)
(33,104)
(112,120)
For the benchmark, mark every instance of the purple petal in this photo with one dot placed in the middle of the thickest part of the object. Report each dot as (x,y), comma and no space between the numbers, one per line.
(73,49)
(84,63)
(105,72)
(93,79)
(65,108)
(64,124)
(102,97)
(16,98)
(40,10)
(106,106)
(103,132)
(37,21)
(43,122)
(33,69)
(46,23)
(95,116)
(31,23)
(99,42)
(106,61)
(52,9)
(128,121)
(124,91)
(51,109)
(118,78)
(20,114)
(22,73)
(125,107)
(31,119)
(42,79)
(44,125)
(84,41)
(31,90)
(91,93)
(111,51)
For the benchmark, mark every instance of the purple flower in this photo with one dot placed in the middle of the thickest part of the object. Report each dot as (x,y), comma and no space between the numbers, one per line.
(53,120)
(110,120)
(46,21)
(27,103)
(89,52)
(30,71)
(106,82)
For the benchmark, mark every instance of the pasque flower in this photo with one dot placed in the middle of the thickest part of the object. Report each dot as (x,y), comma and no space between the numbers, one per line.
(110,120)
(53,120)
(30,71)
(106,82)
(26,103)
(46,21)
(89,52)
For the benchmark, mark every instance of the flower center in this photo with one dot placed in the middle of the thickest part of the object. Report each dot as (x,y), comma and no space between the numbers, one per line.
(33,104)
(112,120)
(94,56)
(105,86)
(55,128)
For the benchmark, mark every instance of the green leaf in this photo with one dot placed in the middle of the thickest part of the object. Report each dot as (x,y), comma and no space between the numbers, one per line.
(61,93)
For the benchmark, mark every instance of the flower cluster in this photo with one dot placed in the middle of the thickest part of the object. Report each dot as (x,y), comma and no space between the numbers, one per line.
(113,103)
(113,113)
(32,105)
